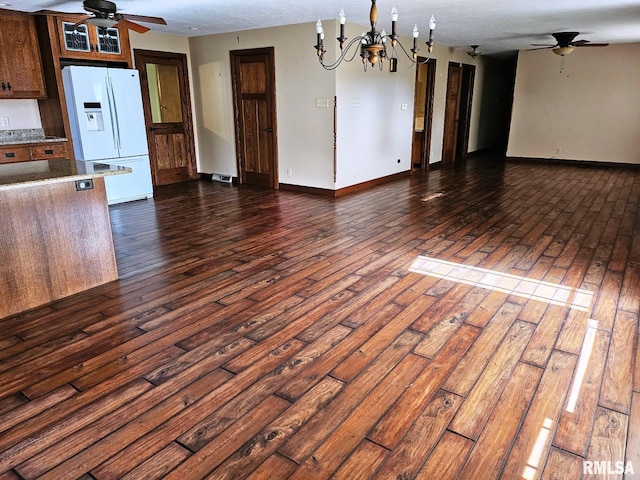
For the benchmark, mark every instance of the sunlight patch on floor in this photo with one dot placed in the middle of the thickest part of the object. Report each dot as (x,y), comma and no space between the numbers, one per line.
(553,293)
(583,361)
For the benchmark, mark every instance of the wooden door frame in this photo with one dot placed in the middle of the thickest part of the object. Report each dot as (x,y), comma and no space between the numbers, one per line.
(464,119)
(431,65)
(270,53)
(185,95)
(465,100)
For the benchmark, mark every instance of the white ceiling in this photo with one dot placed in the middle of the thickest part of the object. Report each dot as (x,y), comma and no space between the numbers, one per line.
(498,26)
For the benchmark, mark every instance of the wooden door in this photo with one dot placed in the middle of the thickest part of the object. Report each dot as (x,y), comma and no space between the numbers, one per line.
(452,113)
(167,105)
(253,74)
(423,114)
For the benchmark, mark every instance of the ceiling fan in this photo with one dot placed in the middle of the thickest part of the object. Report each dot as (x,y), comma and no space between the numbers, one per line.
(105,14)
(565,43)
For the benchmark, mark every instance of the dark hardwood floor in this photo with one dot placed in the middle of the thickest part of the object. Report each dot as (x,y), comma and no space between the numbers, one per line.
(487,332)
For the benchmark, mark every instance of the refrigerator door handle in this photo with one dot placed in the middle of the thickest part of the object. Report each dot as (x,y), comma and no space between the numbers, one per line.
(114,114)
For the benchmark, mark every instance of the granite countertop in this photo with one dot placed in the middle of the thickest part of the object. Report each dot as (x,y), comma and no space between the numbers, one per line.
(41,172)
(26,135)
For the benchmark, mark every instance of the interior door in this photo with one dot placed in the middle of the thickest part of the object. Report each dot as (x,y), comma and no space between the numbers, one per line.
(253,75)
(423,113)
(167,105)
(452,113)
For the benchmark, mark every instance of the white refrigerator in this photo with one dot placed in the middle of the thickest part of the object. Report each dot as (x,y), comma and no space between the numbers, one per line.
(107,126)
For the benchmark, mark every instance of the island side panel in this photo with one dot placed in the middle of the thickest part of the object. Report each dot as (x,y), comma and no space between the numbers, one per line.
(54,241)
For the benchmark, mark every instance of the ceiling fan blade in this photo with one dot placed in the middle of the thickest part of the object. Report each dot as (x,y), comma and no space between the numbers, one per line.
(593,45)
(579,43)
(543,45)
(132,26)
(143,18)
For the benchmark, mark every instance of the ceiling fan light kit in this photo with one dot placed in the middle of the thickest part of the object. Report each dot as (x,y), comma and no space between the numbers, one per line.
(562,51)
(372,44)
(102,22)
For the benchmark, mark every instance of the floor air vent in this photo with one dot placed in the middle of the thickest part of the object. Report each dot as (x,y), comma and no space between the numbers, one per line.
(217,177)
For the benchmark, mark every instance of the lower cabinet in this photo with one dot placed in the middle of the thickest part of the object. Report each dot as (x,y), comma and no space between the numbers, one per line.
(32,152)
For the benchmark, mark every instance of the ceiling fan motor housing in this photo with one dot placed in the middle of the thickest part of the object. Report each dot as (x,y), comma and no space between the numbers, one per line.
(103,8)
(565,39)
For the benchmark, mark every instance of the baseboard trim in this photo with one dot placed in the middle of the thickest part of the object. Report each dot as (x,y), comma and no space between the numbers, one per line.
(575,163)
(346,190)
(304,189)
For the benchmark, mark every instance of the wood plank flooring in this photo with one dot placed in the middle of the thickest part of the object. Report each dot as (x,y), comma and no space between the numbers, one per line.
(270,334)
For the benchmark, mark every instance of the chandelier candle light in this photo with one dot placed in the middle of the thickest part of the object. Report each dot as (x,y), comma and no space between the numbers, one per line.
(373,44)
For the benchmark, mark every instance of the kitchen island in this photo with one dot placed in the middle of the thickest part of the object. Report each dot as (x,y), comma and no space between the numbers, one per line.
(55,235)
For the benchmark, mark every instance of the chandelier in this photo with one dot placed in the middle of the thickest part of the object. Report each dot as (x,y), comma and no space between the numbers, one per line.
(373,44)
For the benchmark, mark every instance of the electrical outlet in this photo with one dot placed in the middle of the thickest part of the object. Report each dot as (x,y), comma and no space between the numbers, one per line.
(84,184)
(558,150)
(5,121)
(289,172)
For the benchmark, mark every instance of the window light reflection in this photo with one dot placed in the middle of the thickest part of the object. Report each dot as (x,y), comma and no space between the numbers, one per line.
(553,293)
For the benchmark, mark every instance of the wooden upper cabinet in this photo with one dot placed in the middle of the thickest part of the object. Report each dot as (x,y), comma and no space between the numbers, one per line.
(88,42)
(20,64)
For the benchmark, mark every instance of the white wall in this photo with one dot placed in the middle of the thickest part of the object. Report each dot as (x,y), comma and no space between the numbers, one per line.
(305,133)
(373,130)
(371,137)
(22,114)
(590,111)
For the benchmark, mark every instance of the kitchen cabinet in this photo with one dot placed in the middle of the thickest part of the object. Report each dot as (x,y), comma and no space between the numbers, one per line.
(56,54)
(32,152)
(56,236)
(86,41)
(21,73)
